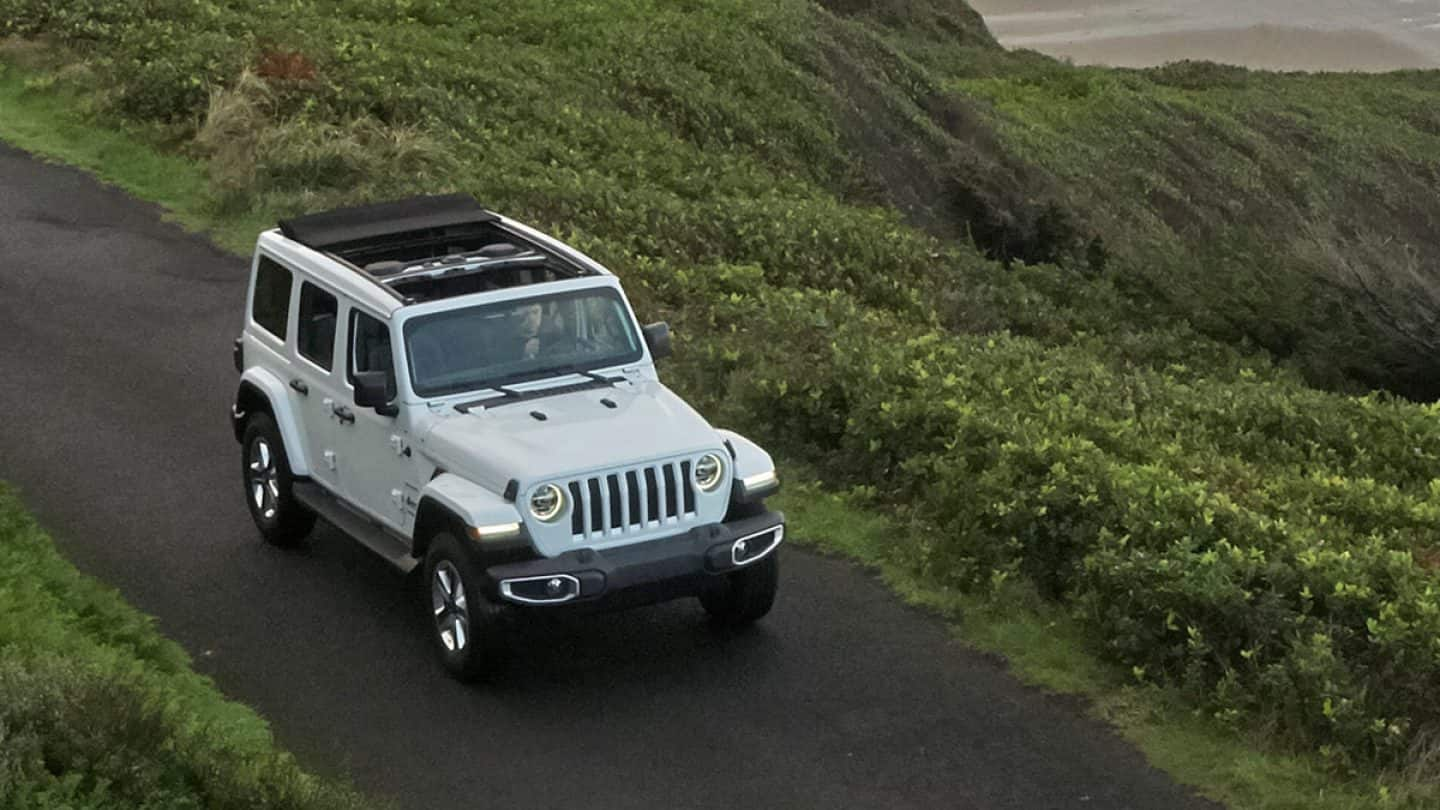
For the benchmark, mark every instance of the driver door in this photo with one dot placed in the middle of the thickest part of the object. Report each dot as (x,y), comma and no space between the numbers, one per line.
(377,466)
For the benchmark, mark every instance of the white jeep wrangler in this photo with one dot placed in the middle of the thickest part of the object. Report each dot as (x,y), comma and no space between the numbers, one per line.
(459,391)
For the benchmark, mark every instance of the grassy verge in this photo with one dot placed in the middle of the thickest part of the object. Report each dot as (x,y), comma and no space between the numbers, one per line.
(98,710)
(44,120)
(1044,642)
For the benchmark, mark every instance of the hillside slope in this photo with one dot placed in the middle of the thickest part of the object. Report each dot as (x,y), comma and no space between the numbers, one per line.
(1293,213)
(1021,304)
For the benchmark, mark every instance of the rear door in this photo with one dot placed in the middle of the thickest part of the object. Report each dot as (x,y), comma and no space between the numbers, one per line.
(316,389)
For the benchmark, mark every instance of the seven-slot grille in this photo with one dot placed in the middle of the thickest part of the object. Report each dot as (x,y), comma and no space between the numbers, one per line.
(631,500)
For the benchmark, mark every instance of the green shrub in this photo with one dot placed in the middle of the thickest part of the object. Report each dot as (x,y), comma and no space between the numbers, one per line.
(1204,547)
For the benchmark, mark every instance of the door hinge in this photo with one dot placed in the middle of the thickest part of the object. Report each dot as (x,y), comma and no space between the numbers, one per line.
(330,459)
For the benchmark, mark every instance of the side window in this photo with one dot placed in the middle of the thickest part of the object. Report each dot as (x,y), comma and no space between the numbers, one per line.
(316,337)
(370,349)
(271,307)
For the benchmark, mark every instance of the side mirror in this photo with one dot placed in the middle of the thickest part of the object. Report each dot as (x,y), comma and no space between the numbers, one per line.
(372,390)
(657,337)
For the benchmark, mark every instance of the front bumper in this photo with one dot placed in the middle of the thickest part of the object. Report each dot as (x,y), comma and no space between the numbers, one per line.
(686,564)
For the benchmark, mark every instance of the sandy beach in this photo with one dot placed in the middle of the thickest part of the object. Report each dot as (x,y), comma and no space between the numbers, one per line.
(1367,35)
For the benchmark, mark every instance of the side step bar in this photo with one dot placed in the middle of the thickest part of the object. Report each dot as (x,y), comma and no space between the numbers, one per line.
(370,534)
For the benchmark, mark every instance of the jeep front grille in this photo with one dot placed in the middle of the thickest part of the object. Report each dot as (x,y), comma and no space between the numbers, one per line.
(633,500)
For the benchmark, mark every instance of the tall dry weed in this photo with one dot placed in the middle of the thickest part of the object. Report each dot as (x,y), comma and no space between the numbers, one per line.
(256,149)
(235,122)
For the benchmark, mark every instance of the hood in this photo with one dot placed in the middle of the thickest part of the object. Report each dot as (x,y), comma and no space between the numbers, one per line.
(580,433)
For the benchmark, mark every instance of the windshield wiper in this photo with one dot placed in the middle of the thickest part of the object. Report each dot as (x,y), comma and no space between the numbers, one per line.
(576,369)
(513,396)
(507,394)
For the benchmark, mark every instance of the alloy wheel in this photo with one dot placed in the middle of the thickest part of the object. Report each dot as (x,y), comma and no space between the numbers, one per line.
(452,616)
(264,479)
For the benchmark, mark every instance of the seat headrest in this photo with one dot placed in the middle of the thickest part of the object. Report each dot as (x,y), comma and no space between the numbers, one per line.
(385,268)
(497,249)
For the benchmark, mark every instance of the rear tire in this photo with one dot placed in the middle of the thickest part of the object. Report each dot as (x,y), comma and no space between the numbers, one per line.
(746,595)
(465,626)
(265,467)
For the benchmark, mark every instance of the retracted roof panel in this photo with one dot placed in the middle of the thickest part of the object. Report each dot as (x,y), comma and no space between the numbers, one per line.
(370,226)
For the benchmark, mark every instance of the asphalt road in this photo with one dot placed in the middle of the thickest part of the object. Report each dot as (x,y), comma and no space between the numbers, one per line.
(115,380)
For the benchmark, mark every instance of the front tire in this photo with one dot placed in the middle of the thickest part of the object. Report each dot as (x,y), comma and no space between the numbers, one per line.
(282,520)
(746,595)
(465,626)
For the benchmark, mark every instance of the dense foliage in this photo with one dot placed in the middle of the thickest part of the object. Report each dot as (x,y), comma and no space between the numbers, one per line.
(97,710)
(923,265)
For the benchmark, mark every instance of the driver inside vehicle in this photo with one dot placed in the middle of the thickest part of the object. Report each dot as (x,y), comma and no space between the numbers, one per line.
(539,329)
(606,333)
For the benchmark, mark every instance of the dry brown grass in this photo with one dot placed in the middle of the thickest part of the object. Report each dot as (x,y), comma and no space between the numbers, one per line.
(283,65)
(31,54)
(256,149)
(235,121)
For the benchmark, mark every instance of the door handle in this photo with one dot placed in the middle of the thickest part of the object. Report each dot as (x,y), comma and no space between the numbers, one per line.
(344,414)
(299,385)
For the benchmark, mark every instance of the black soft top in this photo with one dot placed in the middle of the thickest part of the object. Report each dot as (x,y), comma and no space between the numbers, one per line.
(368,223)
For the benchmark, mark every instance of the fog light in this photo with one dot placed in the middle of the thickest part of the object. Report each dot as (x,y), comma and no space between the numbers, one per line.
(749,549)
(542,590)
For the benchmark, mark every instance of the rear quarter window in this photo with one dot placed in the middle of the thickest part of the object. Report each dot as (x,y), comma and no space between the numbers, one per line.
(271,306)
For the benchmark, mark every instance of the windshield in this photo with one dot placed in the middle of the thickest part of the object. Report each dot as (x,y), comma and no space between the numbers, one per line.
(524,339)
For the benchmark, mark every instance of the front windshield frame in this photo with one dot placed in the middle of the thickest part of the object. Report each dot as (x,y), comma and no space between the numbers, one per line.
(564,367)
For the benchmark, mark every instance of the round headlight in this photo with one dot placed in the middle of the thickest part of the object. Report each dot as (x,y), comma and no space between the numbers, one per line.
(709,472)
(547,502)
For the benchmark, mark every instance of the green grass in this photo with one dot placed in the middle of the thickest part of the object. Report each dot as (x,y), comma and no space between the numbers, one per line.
(98,710)
(1082,329)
